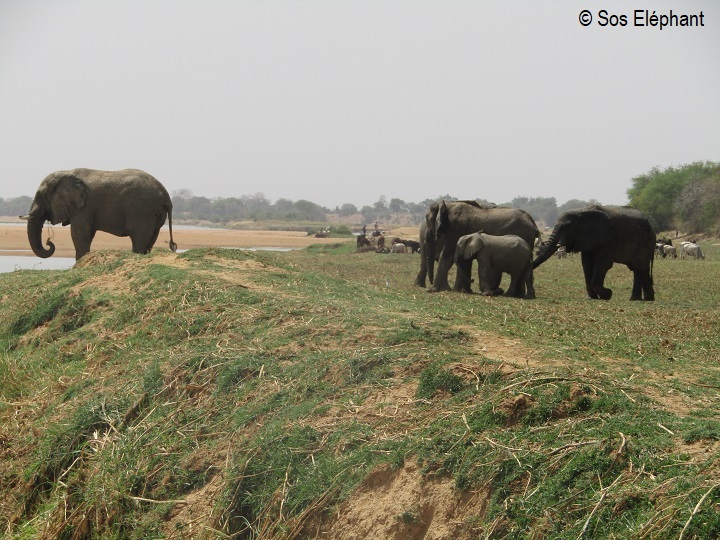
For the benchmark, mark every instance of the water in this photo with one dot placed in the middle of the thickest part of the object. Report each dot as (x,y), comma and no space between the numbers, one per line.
(10,263)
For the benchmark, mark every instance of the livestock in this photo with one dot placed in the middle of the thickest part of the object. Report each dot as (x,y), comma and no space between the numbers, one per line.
(691,250)
(669,251)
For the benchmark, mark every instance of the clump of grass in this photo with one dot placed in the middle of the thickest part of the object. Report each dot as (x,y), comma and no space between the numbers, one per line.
(708,430)
(272,390)
(434,379)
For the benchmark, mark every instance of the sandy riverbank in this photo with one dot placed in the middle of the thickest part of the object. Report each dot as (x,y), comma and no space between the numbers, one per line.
(13,239)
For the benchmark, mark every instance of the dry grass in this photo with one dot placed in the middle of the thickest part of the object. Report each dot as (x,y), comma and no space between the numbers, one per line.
(282,395)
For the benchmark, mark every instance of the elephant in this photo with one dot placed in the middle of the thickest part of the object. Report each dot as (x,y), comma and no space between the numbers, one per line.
(420,279)
(446,222)
(497,254)
(129,202)
(605,235)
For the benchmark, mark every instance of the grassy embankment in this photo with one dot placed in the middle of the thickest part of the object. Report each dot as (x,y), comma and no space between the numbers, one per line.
(224,392)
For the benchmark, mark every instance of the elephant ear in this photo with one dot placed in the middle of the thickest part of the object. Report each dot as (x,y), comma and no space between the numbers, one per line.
(442,220)
(593,229)
(472,245)
(67,198)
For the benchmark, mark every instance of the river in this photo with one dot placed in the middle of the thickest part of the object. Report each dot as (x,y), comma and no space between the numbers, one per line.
(10,263)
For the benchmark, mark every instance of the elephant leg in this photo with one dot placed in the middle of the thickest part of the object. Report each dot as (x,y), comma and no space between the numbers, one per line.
(529,285)
(144,237)
(515,289)
(642,286)
(489,279)
(441,276)
(82,237)
(422,274)
(637,288)
(598,282)
(595,267)
(588,265)
(648,288)
(525,283)
(462,278)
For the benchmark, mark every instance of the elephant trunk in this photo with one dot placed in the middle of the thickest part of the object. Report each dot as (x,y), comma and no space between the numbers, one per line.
(34,231)
(429,254)
(546,250)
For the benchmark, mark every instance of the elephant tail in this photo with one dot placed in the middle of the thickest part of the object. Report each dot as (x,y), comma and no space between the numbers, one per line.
(173,245)
(652,262)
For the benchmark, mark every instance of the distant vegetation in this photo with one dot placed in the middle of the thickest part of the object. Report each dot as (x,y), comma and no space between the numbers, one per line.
(685,197)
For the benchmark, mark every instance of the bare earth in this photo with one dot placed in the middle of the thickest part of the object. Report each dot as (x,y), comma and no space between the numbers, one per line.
(14,241)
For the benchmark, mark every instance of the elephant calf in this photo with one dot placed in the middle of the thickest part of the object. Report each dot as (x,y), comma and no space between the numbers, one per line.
(497,254)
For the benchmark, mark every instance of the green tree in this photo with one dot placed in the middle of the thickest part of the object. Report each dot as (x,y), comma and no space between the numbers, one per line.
(657,192)
(348,209)
(698,205)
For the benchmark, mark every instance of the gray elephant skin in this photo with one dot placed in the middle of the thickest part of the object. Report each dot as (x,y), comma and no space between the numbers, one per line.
(129,202)
(497,255)
(604,235)
(446,222)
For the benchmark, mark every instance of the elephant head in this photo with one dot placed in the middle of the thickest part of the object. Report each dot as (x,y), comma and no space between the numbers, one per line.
(469,246)
(56,200)
(578,231)
(436,221)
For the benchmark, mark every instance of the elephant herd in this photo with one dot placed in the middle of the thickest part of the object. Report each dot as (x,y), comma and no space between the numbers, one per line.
(501,241)
(132,203)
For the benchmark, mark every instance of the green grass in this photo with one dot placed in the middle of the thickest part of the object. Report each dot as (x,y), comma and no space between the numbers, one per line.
(270,385)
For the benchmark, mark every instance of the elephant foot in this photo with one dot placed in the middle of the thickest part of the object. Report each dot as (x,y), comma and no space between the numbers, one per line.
(436,289)
(602,294)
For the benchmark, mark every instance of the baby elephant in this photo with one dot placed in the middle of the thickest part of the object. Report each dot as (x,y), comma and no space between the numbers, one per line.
(498,254)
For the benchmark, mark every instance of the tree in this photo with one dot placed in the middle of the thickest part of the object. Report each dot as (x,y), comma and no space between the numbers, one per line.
(540,208)
(348,209)
(656,192)
(397,205)
(18,206)
(698,204)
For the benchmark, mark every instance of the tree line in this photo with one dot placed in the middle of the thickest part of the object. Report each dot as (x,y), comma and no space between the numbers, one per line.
(680,198)
(685,197)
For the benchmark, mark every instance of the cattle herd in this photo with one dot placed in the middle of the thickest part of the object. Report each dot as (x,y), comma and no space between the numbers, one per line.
(688,249)
(377,243)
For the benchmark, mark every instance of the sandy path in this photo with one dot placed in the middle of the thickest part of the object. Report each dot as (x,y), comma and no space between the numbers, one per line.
(13,239)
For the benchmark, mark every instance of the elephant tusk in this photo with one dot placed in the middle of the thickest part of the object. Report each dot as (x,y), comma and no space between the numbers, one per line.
(24,217)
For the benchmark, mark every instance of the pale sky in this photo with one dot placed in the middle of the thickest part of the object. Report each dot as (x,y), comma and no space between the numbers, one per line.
(344,101)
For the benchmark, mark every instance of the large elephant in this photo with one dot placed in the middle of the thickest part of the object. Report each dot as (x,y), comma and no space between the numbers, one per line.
(124,203)
(446,222)
(497,254)
(605,235)
(420,279)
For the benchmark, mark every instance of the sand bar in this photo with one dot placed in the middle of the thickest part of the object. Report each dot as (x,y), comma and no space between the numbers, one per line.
(14,240)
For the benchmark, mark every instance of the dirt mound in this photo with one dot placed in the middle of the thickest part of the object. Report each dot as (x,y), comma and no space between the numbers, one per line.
(401,504)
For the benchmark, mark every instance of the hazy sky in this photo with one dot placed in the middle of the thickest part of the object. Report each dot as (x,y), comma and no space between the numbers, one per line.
(344,101)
